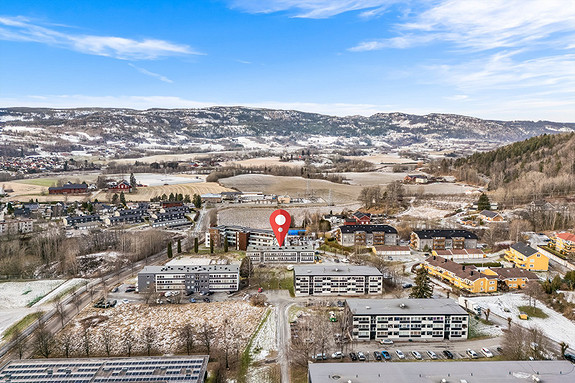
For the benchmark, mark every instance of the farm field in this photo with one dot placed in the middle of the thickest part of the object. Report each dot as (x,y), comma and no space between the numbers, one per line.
(383,159)
(165,320)
(145,194)
(266,161)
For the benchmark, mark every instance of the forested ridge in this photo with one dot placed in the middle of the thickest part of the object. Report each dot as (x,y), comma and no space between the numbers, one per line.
(542,166)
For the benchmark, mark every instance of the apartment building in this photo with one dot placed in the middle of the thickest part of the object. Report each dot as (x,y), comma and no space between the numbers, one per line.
(406,319)
(427,240)
(83,221)
(513,277)
(460,254)
(17,226)
(240,237)
(366,235)
(564,243)
(276,254)
(465,277)
(321,280)
(174,216)
(203,278)
(526,257)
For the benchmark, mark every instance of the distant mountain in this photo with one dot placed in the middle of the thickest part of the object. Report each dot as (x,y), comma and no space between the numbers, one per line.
(161,127)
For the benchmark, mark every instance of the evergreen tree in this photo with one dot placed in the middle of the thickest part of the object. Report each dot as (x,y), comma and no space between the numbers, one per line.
(196,245)
(179,246)
(171,197)
(483,202)
(197,200)
(170,253)
(122,198)
(422,285)
(115,199)
(211,247)
(187,199)
(226,246)
(133,182)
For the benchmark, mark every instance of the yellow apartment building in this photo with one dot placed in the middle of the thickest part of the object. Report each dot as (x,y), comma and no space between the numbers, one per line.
(526,257)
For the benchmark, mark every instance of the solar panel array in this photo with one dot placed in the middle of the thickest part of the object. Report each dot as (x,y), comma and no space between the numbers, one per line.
(156,370)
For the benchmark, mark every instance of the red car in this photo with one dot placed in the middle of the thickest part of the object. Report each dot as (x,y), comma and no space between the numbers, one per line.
(260,290)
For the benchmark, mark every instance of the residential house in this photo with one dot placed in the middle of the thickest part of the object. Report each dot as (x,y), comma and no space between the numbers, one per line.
(362,218)
(122,186)
(416,179)
(171,217)
(459,254)
(211,197)
(389,251)
(285,199)
(319,280)
(83,221)
(366,235)
(513,277)
(190,278)
(526,257)
(490,216)
(334,219)
(427,240)
(465,277)
(406,319)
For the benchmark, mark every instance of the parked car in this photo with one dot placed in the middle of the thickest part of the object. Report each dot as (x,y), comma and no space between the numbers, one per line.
(386,355)
(193,300)
(130,289)
(322,356)
(353,356)
(361,356)
(416,355)
(400,354)
(472,354)
(188,293)
(499,349)
(486,352)
(448,354)
(345,260)
(432,354)
(115,289)
(125,300)
(569,357)
(337,355)
(406,285)
(260,290)
(207,300)
(377,355)
(386,341)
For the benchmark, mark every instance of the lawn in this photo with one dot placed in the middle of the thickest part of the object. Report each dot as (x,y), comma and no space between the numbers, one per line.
(22,324)
(47,182)
(534,312)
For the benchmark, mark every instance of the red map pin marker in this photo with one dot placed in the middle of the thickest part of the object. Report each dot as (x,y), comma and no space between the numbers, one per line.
(280,221)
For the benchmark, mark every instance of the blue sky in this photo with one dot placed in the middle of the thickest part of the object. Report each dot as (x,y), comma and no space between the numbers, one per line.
(500,59)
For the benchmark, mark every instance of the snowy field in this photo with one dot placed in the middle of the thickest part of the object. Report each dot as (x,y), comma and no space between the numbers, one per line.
(21,294)
(556,326)
(154,179)
(263,345)
(165,320)
(183,260)
(66,286)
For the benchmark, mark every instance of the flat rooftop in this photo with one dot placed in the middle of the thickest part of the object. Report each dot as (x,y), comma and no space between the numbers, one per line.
(283,248)
(404,306)
(191,369)
(335,270)
(552,371)
(191,268)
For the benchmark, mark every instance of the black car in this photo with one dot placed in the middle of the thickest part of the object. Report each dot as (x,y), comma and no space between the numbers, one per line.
(188,293)
(377,355)
(569,357)
(207,300)
(448,354)
(353,356)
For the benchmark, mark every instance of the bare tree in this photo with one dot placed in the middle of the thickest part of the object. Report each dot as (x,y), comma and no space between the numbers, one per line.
(514,344)
(76,301)
(187,335)
(87,341)
(107,338)
(149,337)
(148,293)
(487,313)
(60,310)
(44,342)
(206,334)
(564,346)
(302,347)
(128,341)
(19,343)
(66,342)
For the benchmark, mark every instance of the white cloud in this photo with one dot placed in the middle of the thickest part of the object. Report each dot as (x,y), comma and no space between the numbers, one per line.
(483,25)
(22,29)
(314,9)
(151,74)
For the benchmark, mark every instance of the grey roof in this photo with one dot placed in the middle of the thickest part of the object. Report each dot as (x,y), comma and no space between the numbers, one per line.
(191,269)
(428,234)
(190,369)
(489,213)
(368,229)
(552,371)
(410,306)
(524,249)
(336,270)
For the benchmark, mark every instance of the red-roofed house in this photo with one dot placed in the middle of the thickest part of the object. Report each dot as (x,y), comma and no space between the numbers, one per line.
(565,243)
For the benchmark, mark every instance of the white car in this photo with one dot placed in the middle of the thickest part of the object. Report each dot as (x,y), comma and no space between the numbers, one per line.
(125,301)
(337,355)
(472,354)
(345,260)
(386,341)
(400,354)
(416,354)
(486,352)
(432,354)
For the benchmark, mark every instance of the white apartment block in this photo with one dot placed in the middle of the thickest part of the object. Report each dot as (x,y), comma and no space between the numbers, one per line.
(18,226)
(285,254)
(406,319)
(322,280)
(209,278)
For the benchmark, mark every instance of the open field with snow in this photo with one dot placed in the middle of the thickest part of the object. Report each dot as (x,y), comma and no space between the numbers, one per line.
(165,320)
(266,161)
(145,194)
(556,326)
(383,159)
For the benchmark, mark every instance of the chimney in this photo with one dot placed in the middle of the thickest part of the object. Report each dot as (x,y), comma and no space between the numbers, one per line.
(463,267)
(471,272)
(434,257)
